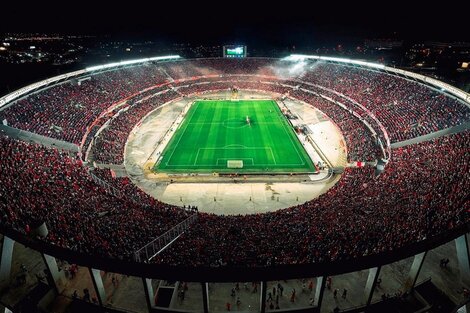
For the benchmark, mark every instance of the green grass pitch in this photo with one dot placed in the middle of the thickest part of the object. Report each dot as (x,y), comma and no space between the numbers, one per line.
(216,131)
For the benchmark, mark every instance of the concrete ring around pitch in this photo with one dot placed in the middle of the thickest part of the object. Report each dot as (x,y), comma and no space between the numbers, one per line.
(228,195)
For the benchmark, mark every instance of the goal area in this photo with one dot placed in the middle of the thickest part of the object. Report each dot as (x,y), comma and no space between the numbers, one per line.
(234,163)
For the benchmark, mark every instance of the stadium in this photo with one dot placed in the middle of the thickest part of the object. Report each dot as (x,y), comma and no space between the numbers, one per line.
(299,184)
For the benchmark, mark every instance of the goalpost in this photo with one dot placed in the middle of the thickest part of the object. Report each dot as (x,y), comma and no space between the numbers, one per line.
(234,163)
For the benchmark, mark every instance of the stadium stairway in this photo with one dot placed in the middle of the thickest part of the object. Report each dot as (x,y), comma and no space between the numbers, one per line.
(451,130)
(39,139)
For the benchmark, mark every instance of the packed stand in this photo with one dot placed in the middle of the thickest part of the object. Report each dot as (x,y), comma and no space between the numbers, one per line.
(219,66)
(407,109)
(359,140)
(64,111)
(123,185)
(39,184)
(110,143)
(424,191)
(226,83)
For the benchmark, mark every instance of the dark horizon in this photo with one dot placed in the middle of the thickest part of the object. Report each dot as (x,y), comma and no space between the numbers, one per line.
(292,24)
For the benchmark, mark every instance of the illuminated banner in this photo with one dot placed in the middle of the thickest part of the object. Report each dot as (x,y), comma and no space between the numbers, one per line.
(234,51)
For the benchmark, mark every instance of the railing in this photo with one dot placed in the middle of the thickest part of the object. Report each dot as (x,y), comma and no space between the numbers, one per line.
(106,186)
(153,248)
(28,136)
(113,190)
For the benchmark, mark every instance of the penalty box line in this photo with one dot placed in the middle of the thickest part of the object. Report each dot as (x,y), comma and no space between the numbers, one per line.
(243,159)
(234,147)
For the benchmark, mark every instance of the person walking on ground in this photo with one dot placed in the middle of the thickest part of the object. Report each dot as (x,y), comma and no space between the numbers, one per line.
(292,296)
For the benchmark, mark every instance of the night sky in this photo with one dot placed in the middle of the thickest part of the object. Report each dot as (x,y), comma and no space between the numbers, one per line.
(242,21)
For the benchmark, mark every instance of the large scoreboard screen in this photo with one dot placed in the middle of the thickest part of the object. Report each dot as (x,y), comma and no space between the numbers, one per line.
(234,51)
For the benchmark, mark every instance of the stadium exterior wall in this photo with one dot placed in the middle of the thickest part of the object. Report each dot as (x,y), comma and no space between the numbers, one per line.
(232,273)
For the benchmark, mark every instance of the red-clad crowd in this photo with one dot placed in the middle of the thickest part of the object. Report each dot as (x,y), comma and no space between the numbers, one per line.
(39,184)
(123,185)
(64,111)
(109,145)
(406,108)
(425,190)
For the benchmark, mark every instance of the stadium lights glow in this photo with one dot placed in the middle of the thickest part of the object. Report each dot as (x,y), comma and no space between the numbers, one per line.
(300,57)
(428,80)
(129,62)
(22,91)
(294,57)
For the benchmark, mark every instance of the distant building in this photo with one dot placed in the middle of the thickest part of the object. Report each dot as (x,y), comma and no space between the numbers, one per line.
(383,44)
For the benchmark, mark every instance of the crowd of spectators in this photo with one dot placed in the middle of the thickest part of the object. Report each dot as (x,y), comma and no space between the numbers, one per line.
(39,184)
(218,66)
(202,85)
(124,185)
(424,191)
(109,144)
(64,111)
(360,143)
(406,108)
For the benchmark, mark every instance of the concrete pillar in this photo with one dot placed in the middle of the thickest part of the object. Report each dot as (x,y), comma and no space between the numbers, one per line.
(149,293)
(262,299)
(5,261)
(98,284)
(371,284)
(461,245)
(464,309)
(54,275)
(320,290)
(415,270)
(41,230)
(4,309)
(205,297)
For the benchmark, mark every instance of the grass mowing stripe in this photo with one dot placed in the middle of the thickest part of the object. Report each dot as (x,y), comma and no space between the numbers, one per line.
(211,127)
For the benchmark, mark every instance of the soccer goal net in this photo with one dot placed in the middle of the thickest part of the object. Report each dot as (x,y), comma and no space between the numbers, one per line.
(235,164)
